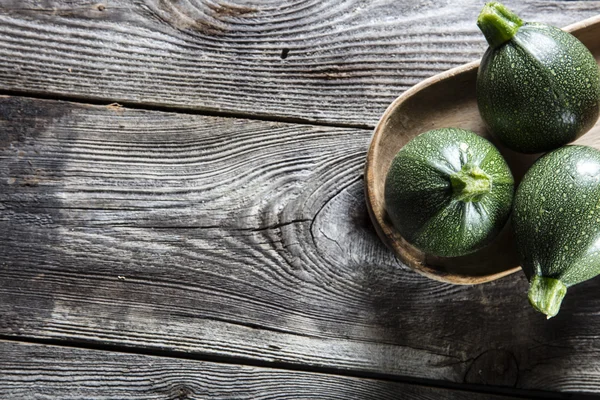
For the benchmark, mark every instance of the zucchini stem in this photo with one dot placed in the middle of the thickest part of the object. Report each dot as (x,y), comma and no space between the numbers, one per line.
(546,294)
(498,23)
(470,183)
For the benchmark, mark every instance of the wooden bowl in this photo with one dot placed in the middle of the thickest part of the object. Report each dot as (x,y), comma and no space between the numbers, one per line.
(448,100)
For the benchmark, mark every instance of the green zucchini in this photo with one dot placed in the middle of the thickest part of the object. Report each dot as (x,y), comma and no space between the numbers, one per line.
(449,192)
(556,218)
(538,87)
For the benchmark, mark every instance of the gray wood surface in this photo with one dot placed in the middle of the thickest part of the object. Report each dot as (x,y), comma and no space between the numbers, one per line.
(345,60)
(246,239)
(33,371)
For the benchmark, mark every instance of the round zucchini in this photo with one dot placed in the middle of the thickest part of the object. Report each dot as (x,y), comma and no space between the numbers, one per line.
(556,219)
(449,192)
(538,87)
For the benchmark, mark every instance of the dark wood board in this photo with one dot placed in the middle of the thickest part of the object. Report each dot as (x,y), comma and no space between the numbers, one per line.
(332,61)
(249,240)
(34,371)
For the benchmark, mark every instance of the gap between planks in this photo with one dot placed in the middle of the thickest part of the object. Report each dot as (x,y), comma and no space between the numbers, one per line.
(491,390)
(179,110)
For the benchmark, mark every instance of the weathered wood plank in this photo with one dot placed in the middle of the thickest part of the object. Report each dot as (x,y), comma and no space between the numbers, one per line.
(33,371)
(248,239)
(332,61)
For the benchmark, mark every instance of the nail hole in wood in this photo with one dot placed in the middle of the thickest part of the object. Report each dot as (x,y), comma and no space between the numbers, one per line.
(284,53)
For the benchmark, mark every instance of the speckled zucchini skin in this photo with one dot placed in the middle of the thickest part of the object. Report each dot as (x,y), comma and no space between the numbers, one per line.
(540,90)
(422,205)
(556,216)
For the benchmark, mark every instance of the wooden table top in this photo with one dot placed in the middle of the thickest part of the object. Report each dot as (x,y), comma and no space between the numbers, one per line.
(182,212)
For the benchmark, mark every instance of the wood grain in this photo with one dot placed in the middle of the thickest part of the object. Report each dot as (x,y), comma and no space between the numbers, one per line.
(32,371)
(331,61)
(246,239)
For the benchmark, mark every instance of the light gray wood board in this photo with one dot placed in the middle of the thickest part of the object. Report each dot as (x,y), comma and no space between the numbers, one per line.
(347,59)
(246,239)
(34,371)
